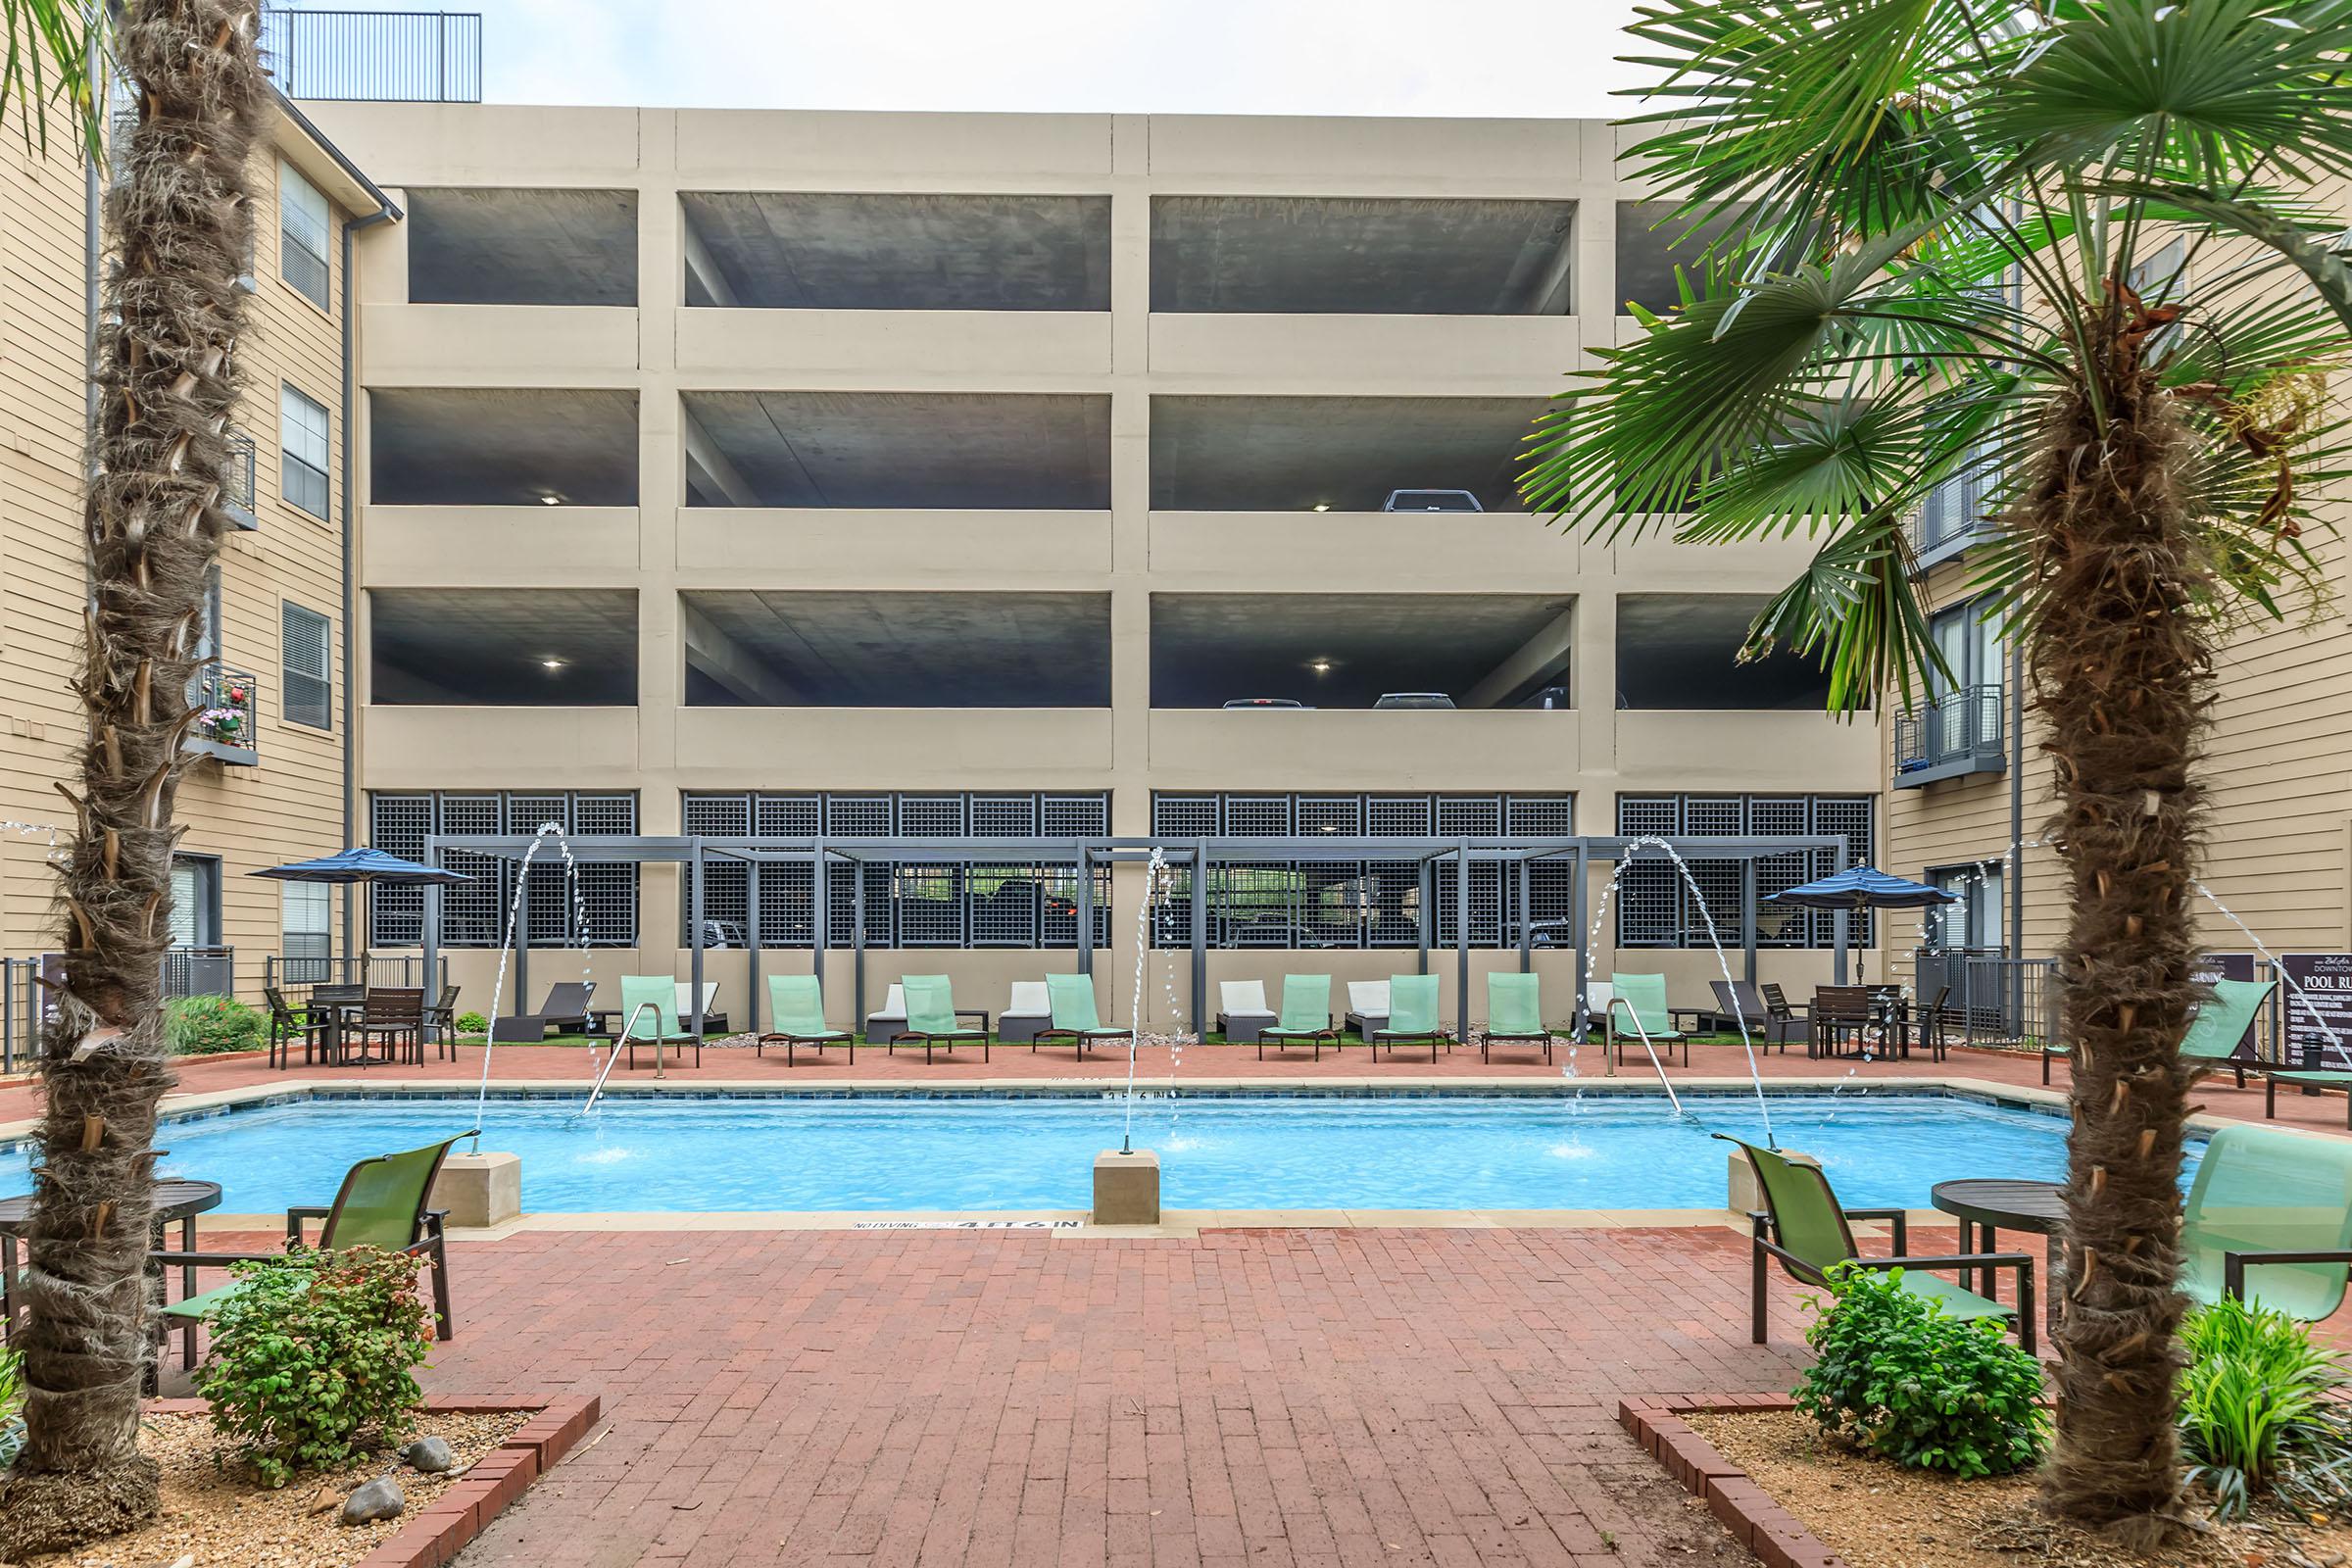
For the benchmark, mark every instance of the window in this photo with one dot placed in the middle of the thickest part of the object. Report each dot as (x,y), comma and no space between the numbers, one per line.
(195,900)
(305,230)
(1970,642)
(306,931)
(302,451)
(305,656)
(1977,920)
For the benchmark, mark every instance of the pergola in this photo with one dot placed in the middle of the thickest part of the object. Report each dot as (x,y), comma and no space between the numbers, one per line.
(1434,856)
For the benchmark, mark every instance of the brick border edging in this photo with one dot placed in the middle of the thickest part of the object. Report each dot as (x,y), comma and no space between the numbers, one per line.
(482,1490)
(1776,1535)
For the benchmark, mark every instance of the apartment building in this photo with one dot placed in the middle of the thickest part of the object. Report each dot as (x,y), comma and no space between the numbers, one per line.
(872,473)
(269,781)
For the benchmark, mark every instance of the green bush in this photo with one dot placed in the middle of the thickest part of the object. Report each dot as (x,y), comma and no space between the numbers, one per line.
(2261,1412)
(318,1348)
(12,1405)
(472,1023)
(1898,1377)
(201,1026)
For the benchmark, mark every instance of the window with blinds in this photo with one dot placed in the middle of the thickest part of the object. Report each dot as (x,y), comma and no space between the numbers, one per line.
(307,684)
(302,451)
(305,230)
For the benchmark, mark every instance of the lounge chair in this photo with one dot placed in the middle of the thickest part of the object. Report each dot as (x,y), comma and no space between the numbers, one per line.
(890,1020)
(649,1016)
(1072,1019)
(2215,1029)
(1638,1008)
(1514,1014)
(711,1021)
(1739,1001)
(1367,1009)
(1412,1016)
(932,1019)
(564,1010)
(381,1204)
(2277,1203)
(1305,1015)
(289,1023)
(1244,1011)
(1802,1225)
(1028,1009)
(796,1016)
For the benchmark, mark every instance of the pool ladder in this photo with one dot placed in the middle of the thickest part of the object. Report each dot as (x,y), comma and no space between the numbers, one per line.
(621,1039)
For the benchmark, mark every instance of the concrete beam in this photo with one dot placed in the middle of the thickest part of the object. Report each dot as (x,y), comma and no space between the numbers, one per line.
(727,661)
(702,456)
(702,268)
(1541,652)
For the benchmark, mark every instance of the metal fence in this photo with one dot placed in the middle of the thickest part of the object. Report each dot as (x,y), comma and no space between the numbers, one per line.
(367,969)
(24,1012)
(427,57)
(1992,997)
(200,971)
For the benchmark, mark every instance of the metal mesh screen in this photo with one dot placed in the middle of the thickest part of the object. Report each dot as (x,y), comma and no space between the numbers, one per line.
(473,914)
(1657,909)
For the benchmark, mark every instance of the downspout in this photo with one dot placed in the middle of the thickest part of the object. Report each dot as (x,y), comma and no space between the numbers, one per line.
(2017,831)
(351,735)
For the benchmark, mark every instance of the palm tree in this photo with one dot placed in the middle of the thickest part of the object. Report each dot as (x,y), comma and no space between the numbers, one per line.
(1935,238)
(178,226)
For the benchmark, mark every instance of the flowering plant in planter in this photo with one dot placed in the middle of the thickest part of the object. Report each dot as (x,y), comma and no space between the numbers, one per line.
(223,724)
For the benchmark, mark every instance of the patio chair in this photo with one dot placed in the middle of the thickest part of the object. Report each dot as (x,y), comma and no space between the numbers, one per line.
(1244,1011)
(932,1018)
(289,1023)
(2215,1029)
(1514,1014)
(711,1021)
(1804,1225)
(649,1016)
(1072,1019)
(889,1019)
(441,1021)
(795,1016)
(1367,1009)
(1412,1016)
(1930,1019)
(1839,1014)
(564,1008)
(382,1203)
(1740,1002)
(2320,1078)
(2278,1203)
(1638,1004)
(1028,1008)
(395,1015)
(1776,1003)
(1305,1015)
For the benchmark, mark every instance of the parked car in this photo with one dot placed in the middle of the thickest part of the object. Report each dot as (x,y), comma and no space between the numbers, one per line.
(1414,700)
(1432,501)
(1264,702)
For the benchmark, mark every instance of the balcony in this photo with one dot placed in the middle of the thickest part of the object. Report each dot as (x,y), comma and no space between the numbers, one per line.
(1957,734)
(236,484)
(1950,521)
(413,57)
(227,703)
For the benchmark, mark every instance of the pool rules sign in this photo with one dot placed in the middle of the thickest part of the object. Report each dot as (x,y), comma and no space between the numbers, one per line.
(2318,1006)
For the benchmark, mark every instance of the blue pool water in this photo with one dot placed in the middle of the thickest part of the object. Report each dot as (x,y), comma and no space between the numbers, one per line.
(1269,1152)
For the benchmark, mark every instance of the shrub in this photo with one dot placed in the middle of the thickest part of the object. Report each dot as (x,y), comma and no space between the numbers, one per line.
(200,1026)
(472,1023)
(12,1405)
(316,1349)
(2260,1412)
(1896,1375)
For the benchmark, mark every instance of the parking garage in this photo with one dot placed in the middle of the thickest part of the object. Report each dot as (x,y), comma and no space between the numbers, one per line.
(1351,650)
(502,447)
(1334,454)
(503,648)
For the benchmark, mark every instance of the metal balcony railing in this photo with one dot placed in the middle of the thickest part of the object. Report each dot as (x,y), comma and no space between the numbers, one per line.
(1960,732)
(410,57)
(228,701)
(1950,518)
(236,482)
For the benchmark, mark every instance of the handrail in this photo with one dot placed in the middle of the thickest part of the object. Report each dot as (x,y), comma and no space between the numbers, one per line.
(1618,1001)
(628,1030)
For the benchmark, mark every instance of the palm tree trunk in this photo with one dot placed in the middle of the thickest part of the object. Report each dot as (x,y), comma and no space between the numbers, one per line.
(2122,674)
(179,229)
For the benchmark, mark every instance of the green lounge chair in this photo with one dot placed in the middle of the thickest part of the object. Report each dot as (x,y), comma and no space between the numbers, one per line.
(649,1016)
(1514,1014)
(1072,999)
(381,1204)
(2306,1078)
(2220,1022)
(1412,1016)
(1810,1234)
(1305,1015)
(932,1019)
(2278,1202)
(796,1016)
(1638,1007)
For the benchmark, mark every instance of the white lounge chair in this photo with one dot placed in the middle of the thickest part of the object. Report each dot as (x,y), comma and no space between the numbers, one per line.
(715,1022)
(891,1021)
(1244,1011)
(1029,1010)
(1368,1008)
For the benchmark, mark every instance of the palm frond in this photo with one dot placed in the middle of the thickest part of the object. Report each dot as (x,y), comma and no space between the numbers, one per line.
(49,62)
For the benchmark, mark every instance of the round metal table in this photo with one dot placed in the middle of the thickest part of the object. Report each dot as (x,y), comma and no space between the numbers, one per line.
(176,1199)
(1993,1205)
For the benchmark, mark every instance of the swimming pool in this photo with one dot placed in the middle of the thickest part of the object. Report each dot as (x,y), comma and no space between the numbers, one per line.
(988,1152)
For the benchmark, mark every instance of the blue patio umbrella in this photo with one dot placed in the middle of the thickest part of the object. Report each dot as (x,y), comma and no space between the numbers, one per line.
(363,865)
(1863,887)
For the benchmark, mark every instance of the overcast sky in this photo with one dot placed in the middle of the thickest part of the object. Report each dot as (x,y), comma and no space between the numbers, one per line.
(1310,57)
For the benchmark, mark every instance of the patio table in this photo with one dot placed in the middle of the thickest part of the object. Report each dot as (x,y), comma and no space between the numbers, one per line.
(176,1199)
(1995,1205)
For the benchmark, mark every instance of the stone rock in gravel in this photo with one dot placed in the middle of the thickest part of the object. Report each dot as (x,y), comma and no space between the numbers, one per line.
(431,1455)
(381,1498)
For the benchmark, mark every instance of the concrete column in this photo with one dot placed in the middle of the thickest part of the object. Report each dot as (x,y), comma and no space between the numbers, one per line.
(1592,677)
(660,490)
(1596,280)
